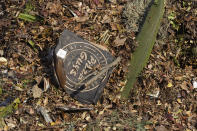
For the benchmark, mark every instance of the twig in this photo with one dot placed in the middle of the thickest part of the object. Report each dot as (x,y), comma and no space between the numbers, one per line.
(86,77)
(103,70)
(74,14)
(65,108)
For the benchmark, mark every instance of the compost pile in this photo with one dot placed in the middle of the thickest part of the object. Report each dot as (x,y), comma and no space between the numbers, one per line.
(164,96)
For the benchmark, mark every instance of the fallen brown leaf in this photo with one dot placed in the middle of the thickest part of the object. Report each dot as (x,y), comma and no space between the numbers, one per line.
(54,7)
(119,41)
(82,18)
(3,61)
(37,92)
(160,128)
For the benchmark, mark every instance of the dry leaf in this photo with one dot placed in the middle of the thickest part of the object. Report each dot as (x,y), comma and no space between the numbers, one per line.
(184,86)
(1,52)
(155,93)
(178,78)
(37,92)
(161,128)
(38,79)
(106,19)
(54,7)
(18,88)
(83,115)
(150,66)
(113,26)
(3,61)
(23,68)
(113,1)
(101,112)
(31,111)
(11,123)
(118,41)
(46,84)
(179,101)
(87,118)
(169,85)
(107,129)
(45,101)
(82,18)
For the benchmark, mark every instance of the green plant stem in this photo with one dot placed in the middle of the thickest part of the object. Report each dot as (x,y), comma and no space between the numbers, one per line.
(145,39)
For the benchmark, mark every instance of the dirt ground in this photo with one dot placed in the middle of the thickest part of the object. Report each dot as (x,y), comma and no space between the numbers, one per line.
(163,98)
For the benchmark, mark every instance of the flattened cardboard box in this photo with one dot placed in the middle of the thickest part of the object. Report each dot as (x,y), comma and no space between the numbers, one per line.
(75,60)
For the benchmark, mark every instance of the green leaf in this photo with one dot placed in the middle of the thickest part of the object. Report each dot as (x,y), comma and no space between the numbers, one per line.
(27,17)
(32,44)
(29,7)
(172,16)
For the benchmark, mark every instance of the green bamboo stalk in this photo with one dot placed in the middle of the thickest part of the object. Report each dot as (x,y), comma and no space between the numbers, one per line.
(146,39)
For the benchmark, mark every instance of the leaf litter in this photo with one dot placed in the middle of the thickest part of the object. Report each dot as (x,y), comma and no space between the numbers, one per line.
(170,80)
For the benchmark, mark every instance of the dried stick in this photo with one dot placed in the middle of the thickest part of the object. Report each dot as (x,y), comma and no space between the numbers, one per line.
(103,70)
(65,108)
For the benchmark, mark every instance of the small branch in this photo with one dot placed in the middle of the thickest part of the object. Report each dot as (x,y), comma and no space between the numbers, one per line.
(103,70)
(74,14)
(65,108)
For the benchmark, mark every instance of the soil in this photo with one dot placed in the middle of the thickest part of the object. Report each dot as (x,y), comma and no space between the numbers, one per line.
(163,98)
